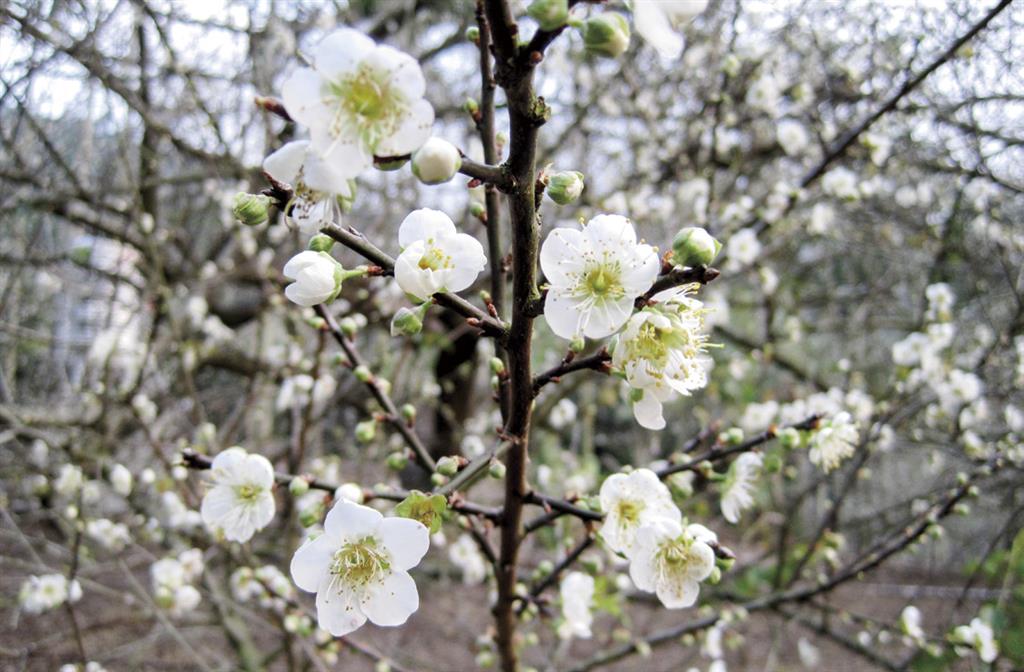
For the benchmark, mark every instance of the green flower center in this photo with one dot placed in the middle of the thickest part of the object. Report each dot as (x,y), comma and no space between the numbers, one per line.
(675,554)
(248,493)
(603,282)
(629,511)
(367,106)
(360,563)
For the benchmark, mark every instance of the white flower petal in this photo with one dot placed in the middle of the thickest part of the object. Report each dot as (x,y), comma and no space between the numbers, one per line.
(407,540)
(648,411)
(337,612)
(312,561)
(302,96)
(349,520)
(340,52)
(284,164)
(562,253)
(416,128)
(562,313)
(424,224)
(392,602)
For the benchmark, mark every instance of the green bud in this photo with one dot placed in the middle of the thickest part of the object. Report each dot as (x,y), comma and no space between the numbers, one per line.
(437,480)
(448,465)
(321,243)
(477,209)
(606,34)
(362,374)
(348,327)
(497,469)
(397,460)
(731,437)
(406,322)
(565,186)
(485,660)
(471,107)
(316,322)
(715,576)
(789,438)
(549,14)
(408,413)
(694,246)
(497,366)
(772,463)
(298,486)
(725,564)
(577,344)
(251,209)
(473,34)
(427,509)
(366,431)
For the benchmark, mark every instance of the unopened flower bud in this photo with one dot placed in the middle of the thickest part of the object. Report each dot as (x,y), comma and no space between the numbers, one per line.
(694,246)
(497,366)
(471,107)
(477,209)
(437,480)
(565,186)
(549,14)
(298,486)
(362,374)
(577,344)
(310,516)
(349,327)
(406,322)
(789,438)
(606,34)
(397,460)
(321,243)
(715,576)
(448,465)
(366,431)
(436,161)
(497,469)
(408,413)
(250,209)
(473,34)
(732,436)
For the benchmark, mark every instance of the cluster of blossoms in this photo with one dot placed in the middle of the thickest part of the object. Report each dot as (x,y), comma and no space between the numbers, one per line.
(173,581)
(977,636)
(666,555)
(595,276)
(835,441)
(46,592)
(267,585)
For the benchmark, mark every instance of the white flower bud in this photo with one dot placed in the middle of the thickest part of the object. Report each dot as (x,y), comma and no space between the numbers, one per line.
(549,14)
(436,161)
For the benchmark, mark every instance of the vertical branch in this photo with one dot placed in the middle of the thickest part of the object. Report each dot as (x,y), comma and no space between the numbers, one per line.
(526,114)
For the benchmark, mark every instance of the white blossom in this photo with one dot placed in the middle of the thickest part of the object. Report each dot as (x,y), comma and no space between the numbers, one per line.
(359,100)
(69,480)
(317,278)
(563,414)
(658,22)
(671,561)
(841,183)
(743,248)
(577,593)
(661,352)
(466,555)
(435,257)
(316,185)
(979,636)
(358,568)
(738,488)
(630,501)
(910,622)
(835,441)
(42,593)
(792,136)
(240,501)
(108,534)
(595,274)
(121,480)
